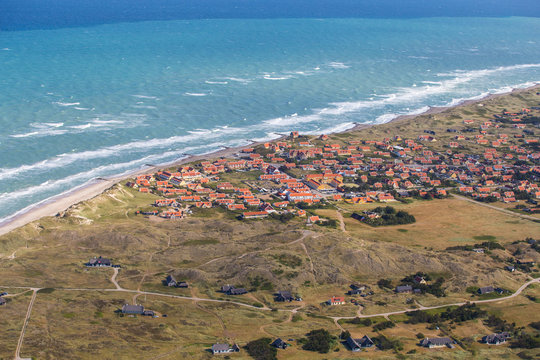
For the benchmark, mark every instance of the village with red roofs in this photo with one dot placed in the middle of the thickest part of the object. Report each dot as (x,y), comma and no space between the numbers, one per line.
(298,171)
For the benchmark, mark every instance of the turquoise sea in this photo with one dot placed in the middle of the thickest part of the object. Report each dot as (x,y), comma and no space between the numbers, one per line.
(78,103)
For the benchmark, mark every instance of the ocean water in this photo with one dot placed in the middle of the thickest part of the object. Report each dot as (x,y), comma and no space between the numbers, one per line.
(78,103)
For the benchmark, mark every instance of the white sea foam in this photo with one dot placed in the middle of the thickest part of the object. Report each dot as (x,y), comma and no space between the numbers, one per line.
(506,89)
(42,132)
(81,108)
(50,185)
(216,82)
(277,77)
(384,118)
(337,128)
(6,49)
(292,120)
(419,57)
(145,97)
(66,103)
(144,107)
(200,131)
(58,124)
(338,65)
(404,96)
(472,74)
(418,111)
(268,137)
(236,79)
(195,94)
(98,123)
(65,159)
(81,127)
(25,134)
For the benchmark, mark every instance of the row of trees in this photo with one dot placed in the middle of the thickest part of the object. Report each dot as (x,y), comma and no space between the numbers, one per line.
(460,314)
(488,245)
(389,216)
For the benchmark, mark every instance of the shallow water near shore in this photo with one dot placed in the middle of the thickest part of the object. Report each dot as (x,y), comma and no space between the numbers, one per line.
(80,103)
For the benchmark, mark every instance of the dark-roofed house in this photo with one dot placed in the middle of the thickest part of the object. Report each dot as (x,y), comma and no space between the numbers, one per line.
(133,309)
(403,289)
(170,281)
(182,284)
(280,344)
(486,290)
(2,301)
(224,348)
(358,287)
(359,344)
(235,291)
(226,288)
(231,290)
(148,313)
(437,342)
(98,262)
(496,339)
(284,296)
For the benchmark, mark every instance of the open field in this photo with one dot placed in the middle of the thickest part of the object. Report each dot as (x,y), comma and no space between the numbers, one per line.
(441,224)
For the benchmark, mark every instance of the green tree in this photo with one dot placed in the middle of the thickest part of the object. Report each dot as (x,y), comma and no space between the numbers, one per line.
(261,349)
(319,340)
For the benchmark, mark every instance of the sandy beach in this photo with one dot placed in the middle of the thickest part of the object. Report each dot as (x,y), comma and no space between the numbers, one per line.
(62,202)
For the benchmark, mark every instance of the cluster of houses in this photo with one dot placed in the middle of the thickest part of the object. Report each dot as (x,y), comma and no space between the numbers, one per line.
(222,348)
(497,338)
(170,281)
(490,289)
(365,342)
(494,160)
(360,344)
(409,289)
(299,170)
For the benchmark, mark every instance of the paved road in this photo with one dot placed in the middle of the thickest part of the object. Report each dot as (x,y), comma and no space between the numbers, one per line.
(507,212)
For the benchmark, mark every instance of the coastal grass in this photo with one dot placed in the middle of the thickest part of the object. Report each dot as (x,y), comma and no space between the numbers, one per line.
(443,222)
(12,315)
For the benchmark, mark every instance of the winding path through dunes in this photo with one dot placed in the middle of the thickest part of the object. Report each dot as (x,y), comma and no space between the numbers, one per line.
(263,308)
(519,291)
(113,279)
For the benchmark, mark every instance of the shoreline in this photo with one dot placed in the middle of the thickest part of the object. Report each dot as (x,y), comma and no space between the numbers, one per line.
(64,201)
